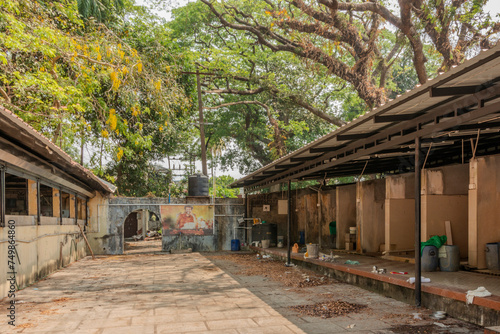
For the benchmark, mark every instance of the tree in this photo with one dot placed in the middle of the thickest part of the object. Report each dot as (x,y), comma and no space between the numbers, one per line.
(221,188)
(269,103)
(83,84)
(346,38)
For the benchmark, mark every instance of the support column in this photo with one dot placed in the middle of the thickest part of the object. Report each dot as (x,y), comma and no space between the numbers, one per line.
(418,273)
(56,198)
(76,210)
(289,228)
(32,198)
(72,206)
(38,202)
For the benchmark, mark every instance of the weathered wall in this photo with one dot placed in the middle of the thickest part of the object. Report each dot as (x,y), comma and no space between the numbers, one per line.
(370,215)
(41,250)
(107,217)
(484,218)
(255,210)
(346,212)
(328,214)
(400,212)
(445,198)
(306,215)
(436,209)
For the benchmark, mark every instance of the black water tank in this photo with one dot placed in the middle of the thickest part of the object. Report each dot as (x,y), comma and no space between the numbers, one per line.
(198,185)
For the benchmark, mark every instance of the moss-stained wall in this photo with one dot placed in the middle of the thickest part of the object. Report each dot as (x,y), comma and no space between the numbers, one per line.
(41,249)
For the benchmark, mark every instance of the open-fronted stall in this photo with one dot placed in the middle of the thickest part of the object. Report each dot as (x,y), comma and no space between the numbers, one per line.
(427,125)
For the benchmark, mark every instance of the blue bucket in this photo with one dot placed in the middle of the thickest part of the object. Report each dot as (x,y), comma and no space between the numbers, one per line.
(235,244)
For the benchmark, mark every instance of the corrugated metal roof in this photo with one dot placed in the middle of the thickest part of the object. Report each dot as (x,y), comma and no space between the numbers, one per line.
(478,76)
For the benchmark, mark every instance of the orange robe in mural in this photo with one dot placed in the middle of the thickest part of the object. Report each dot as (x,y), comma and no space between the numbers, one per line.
(185,218)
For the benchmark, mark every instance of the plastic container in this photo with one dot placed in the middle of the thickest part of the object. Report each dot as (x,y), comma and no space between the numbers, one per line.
(235,244)
(312,251)
(333,228)
(449,258)
(493,256)
(198,185)
(265,243)
(429,258)
(352,230)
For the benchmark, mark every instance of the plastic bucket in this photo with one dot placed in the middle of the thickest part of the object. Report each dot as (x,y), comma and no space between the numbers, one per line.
(235,244)
(265,243)
(312,250)
(429,259)
(449,258)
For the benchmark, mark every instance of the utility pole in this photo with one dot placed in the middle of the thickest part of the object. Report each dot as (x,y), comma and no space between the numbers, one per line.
(200,111)
(202,129)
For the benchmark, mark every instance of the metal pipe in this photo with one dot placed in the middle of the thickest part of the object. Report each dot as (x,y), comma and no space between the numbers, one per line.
(418,269)
(289,228)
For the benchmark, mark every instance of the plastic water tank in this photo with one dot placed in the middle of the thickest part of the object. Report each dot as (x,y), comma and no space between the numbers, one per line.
(429,259)
(198,185)
(449,258)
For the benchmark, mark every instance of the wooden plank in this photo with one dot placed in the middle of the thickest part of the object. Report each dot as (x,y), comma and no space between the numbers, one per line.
(449,238)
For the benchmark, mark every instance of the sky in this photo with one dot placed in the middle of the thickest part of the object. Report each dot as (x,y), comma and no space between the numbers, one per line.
(493,7)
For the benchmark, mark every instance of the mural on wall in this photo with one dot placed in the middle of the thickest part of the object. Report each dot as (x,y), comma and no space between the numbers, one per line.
(187,219)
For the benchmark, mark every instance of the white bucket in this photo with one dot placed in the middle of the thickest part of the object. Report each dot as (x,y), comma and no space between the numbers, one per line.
(312,251)
(265,243)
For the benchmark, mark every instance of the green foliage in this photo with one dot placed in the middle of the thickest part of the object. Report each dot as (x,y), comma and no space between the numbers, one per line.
(221,187)
(78,82)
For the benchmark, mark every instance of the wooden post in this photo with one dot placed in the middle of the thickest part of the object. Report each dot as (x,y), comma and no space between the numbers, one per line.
(86,241)
(56,198)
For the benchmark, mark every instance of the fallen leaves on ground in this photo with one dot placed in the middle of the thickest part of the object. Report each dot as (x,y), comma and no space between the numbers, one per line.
(61,300)
(328,309)
(274,270)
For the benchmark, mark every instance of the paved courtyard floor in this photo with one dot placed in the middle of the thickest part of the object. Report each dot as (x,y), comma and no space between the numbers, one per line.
(190,293)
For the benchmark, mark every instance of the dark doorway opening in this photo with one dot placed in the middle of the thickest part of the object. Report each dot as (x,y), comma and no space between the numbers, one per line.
(130,228)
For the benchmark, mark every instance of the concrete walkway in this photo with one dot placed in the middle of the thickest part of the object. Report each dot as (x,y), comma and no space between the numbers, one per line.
(143,294)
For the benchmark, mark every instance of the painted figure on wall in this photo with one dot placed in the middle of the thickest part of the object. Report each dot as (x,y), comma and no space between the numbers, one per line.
(187,219)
